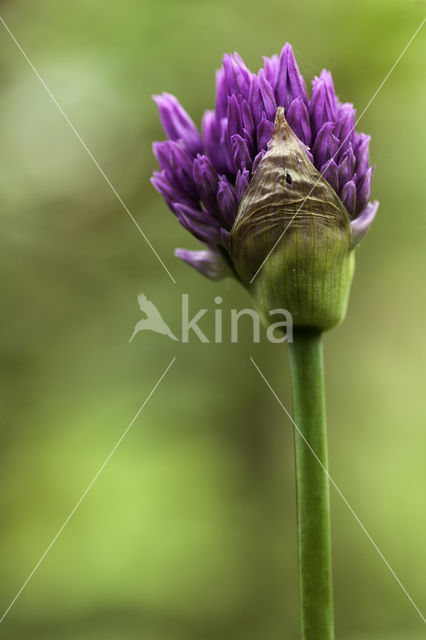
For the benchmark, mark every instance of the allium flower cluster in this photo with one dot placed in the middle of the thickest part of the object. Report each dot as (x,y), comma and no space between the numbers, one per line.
(204,176)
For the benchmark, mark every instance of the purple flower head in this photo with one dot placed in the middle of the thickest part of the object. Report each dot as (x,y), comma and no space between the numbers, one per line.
(203,177)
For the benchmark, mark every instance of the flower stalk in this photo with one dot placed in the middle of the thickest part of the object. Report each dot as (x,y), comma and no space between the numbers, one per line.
(313,502)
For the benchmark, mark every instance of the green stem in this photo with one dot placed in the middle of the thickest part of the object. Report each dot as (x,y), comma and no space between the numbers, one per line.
(313,503)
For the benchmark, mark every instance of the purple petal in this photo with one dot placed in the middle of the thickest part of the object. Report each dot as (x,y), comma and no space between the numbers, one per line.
(206,180)
(176,122)
(248,123)
(362,223)
(221,94)
(310,156)
(237,75)
(346,167)
(364,190)
(234,116)
(211,136)
(326,144)
(268,98)
(241,183)
(199,223)
(270,66)
(348,197)
(362,142)
(255,100)
(242,157)
(344,128)
(164,188)
(226,145)
(320,108)
(227,202)
(289,81)
(197,215)
(169,192)
(257,160)
(265,129)
(295,81)
(298,119)
(208,262)
(210,128)
(326,77)
(225,238)
(176,162)
(329,171)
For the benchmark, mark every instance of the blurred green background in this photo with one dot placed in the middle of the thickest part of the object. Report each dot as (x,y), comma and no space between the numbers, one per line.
(190,531)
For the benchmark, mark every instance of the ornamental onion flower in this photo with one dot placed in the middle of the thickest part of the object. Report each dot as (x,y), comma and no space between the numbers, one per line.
(277,186)
(204,176)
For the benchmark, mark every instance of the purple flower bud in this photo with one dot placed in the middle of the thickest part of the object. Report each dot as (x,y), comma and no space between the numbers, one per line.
(169,192)
(211,130)
(320,108)
(248,123)
(310,156)
(241,183)
(256,161)
(348,197)
(364,190)
(177,123)
(268,98)
(289,81)
(326,144)
(208,262)
(225,143)
(203,227)
(362,143)
(206,180)
(225,238)
(362,223)
(242,156)
(221,94)
(346,167)
(298,119)
(227,202)
(161,184)
(255,100)
(327,80)
(270,66)
(237,75)
(176,162)
(344,127)
(235,120)
(264,133)
(330,173)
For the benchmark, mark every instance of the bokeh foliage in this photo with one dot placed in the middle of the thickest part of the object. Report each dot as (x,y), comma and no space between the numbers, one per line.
(190,531)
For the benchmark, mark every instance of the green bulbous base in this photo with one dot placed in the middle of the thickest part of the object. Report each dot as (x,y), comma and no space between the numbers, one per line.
(314,288)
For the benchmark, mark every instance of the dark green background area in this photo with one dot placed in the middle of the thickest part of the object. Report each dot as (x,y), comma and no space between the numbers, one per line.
(190,531)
